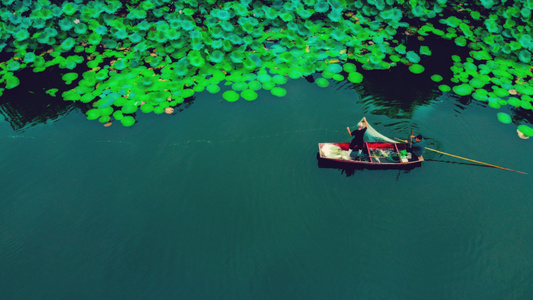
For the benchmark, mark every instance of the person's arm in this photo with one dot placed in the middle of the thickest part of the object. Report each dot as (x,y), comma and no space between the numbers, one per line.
(364,121)
(349,132)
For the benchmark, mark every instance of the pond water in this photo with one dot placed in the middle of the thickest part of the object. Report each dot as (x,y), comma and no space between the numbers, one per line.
(227,201)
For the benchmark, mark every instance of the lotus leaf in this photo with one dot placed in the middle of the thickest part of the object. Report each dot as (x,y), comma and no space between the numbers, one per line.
(463,89)
(213,88)
(444,88)
(221,14)
(477,82)
(159,110)
(526,130)
(279,91)
(87,98)
(264,78)
(436,78)
(349,67)
(94,39)
(127,121)
(322,82)
(338,77)
(230,96)
(147,108)
(52,92)
(460,41)
(255,85)
(334,68)
(249,95)
(514,101)
(71,95)
(278,79)
(412,57)
(93,114)
(239,86)
(525,56)
(268,85)
(355,77)
(526,105)
(295,74)
(21,34)
(500,92)
(187,93)
(494,103)
(69,77)
(416,68)
(236,56)
(129,108)
(13,65)
(480,96)
(424,50)
(504,118)
(69,8)
(286,57)
(304,13)
(106,111)
(104,119)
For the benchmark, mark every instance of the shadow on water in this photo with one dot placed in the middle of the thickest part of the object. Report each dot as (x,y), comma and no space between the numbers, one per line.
(520,115)
(29,104)
(350,169)
(397,92)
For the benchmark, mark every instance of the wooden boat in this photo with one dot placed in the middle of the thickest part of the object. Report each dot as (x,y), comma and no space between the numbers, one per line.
(375,154)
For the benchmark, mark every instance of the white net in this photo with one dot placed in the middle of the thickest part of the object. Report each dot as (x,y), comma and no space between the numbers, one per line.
(371,135)
(334,151)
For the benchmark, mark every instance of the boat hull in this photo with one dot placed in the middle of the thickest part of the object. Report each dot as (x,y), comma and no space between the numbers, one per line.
(373,161)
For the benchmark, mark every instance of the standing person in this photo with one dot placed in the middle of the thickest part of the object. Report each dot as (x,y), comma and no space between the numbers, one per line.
(357,143)
(418,147)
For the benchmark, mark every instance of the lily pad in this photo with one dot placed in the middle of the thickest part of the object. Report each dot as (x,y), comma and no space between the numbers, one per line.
(463,89)
(504,118)
(249,95)
(416,68)
(322,82)
(526,130)
(127,121)
(436,78)
(355,77)
(279,91)
(230,96)
(444,88)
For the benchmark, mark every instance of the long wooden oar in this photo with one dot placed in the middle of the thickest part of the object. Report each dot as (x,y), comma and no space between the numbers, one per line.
(494,166)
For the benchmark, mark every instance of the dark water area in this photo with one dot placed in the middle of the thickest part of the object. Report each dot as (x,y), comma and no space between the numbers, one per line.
(227,200)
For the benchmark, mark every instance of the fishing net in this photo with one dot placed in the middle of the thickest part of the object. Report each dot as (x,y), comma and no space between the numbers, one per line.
(384,155)
(334,151)
(371,135)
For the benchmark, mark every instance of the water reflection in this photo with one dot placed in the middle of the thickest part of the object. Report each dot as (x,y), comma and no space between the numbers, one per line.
(29,105)
(349,170)
(397,92)
(521,116)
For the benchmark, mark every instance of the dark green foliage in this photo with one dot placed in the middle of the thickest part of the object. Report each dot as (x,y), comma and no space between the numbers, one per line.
(154,54)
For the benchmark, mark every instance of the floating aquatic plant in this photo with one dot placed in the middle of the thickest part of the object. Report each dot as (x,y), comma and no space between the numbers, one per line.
(230,96)
(416,68)
(504,118)
(322,82)
(259,46)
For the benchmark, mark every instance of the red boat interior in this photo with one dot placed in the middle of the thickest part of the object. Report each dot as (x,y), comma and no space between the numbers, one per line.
(379,152)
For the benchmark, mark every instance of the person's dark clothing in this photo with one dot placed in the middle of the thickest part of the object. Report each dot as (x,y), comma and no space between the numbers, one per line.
(357,141)
(418,148)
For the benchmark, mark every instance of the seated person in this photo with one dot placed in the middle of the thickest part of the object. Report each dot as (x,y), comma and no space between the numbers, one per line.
(418,146)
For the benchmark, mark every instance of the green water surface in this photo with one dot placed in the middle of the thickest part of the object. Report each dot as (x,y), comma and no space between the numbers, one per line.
(227,201)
